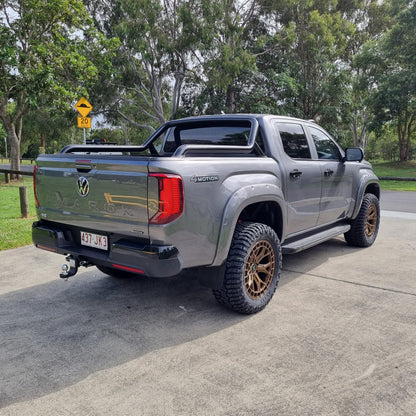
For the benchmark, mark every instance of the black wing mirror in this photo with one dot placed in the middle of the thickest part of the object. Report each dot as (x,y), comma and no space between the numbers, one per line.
(353,154)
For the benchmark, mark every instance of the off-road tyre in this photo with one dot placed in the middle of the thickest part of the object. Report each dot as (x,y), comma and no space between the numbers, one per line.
(364,228)
(252,270)
(118,274)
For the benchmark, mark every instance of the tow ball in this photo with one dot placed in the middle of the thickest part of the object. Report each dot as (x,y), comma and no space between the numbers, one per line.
(71,270)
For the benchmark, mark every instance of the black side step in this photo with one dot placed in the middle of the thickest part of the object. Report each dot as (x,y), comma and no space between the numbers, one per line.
(312,240)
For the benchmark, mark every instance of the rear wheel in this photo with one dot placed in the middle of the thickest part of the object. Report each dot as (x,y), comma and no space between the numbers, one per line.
(252,269)
(364,228)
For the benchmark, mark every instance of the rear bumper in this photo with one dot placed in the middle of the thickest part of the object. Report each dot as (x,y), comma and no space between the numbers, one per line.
(150,260)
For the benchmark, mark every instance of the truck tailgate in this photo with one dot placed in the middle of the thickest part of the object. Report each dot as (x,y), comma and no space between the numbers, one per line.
(104,193)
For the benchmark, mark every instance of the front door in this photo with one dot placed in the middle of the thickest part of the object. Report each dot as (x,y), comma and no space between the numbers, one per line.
(337,178)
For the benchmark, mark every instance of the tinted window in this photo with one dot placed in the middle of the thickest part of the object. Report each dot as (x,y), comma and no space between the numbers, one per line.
(294,140)
(325,146)
(223,134)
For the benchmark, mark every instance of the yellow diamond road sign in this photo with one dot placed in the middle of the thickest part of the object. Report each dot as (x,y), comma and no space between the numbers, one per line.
(83,107)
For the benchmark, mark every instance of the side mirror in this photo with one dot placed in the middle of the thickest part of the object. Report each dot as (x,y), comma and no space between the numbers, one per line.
(354,154)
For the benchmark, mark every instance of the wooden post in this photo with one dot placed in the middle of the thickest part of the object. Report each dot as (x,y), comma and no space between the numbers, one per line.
(24,201)
(6,177)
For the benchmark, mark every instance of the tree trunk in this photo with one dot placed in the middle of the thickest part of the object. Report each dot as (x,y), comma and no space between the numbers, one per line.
(354,130)
(14,141)
(42,143)
(177,88)
(230,102)
(360,136)
(13,127)
(404,133)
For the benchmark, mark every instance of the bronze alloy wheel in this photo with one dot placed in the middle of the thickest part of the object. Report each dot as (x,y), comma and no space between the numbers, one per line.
(371,221)
(252,269)
(364,227)
(259,269)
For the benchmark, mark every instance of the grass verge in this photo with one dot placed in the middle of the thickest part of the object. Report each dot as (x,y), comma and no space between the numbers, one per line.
(14,230)
(396,169)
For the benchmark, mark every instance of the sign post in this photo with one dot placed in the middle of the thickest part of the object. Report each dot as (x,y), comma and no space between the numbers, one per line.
(84,107)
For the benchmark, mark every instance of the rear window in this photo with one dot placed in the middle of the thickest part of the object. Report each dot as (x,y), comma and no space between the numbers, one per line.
(226,134)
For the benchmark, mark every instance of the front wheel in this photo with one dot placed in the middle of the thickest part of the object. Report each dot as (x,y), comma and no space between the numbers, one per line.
(252,269)
(364,228)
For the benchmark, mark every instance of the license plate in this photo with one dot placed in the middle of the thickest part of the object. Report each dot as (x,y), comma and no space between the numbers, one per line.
(94,240)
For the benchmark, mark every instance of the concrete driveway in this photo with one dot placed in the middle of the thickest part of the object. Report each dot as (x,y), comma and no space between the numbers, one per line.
(338,338)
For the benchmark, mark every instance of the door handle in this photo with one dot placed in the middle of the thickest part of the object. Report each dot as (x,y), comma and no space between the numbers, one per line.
(328,172)
(295,174)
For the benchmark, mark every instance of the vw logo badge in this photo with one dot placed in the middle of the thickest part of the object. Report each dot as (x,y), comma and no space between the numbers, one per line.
(83,186)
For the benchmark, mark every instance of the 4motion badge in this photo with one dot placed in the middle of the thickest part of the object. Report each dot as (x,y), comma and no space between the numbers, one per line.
(207,178)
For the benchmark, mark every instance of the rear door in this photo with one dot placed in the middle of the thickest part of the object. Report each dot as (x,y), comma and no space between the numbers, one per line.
(302,177)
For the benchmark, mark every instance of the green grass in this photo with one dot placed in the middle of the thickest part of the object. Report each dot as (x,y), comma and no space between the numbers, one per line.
(396,169)
(399,169)
(23,162)
(14,230)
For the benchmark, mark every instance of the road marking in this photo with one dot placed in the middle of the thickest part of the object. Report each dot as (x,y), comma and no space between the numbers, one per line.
(397,214)
(350,282)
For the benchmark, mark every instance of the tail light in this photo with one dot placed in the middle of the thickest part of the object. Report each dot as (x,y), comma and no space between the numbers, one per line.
(34,186)
(171,200)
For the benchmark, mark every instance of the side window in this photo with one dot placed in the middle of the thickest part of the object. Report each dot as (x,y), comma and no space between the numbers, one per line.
(325,146)
(294,140)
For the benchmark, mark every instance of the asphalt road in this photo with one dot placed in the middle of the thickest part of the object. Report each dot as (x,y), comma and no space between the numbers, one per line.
(398,201)
(338,338)
(25,168)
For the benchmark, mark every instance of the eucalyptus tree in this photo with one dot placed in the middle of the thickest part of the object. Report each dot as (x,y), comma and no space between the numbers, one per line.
(173,52)
(157,45)
(311,38)
(371,18)
(43,50)
(309,62)
(228,54)
(394,98)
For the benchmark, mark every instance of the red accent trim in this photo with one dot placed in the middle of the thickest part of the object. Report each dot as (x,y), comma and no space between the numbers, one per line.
(53,250)
(127,269)
(34,186)
(82,161)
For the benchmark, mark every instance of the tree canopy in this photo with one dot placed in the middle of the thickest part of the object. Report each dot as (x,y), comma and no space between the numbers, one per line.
(44,59)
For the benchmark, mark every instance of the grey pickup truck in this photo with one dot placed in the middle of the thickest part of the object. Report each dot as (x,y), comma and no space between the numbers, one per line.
(222,195)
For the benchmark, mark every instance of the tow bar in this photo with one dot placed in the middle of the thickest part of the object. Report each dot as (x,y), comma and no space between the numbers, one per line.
(72,270)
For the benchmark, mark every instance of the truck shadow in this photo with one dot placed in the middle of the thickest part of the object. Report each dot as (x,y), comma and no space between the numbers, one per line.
(55,334)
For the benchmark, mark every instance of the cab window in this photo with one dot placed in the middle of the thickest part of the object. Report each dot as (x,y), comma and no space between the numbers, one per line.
(325,146)
(295,143)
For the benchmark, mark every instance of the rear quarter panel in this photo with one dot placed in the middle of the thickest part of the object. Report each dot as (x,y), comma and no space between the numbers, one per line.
(216,190)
